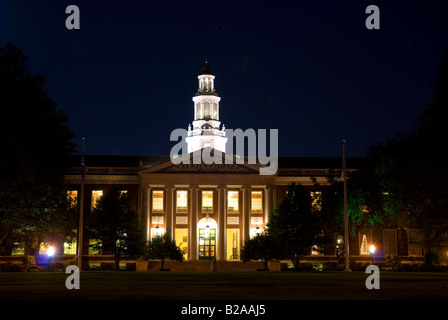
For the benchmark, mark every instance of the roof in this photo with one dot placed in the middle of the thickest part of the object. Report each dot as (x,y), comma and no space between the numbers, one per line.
(118,161)
(150,161)
(318,162)
(206,68)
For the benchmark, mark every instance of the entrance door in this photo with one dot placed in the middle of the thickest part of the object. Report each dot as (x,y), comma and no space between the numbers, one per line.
(207,243)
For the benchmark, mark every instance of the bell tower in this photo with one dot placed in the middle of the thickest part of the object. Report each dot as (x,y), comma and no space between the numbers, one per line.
(206,131)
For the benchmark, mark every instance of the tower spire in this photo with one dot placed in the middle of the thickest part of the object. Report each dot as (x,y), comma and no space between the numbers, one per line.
(206,130)
(206,68)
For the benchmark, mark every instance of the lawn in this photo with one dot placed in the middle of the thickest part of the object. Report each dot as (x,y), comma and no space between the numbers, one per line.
(110,285)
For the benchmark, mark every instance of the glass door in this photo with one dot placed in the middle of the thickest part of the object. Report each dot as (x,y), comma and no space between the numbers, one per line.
(207,243)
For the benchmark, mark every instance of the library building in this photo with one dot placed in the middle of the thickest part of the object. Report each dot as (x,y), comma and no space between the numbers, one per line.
(210,210)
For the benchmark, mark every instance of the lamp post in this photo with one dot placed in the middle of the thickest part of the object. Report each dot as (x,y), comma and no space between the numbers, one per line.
(50,253)
(81,206)
(346,239)
(372,251)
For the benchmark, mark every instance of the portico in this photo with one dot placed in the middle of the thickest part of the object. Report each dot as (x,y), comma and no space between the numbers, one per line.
(210,210)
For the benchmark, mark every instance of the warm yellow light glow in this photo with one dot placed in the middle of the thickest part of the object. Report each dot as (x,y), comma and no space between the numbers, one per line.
(232,201)
(233,244)
(253,232)
(207,201)
(157,232)
(181,201)
(181,236)
(316,197)
(96,195)
(256,201)
(72,196)
(70,248)
(372,249)
(157,201)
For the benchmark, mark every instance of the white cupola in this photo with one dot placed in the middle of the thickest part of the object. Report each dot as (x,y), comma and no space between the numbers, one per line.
(206,131)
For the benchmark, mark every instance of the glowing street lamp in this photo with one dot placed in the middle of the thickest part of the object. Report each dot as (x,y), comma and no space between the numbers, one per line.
(372,251)
(50,251)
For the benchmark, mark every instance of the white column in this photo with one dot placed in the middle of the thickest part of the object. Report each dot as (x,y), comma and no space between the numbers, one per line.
(193,242)
(221,222)
(246,213)
(148,213)
(268,202)
(169,190)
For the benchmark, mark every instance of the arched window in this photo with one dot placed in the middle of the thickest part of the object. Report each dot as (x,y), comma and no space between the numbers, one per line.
(215,111)
(207,110)
(198,111)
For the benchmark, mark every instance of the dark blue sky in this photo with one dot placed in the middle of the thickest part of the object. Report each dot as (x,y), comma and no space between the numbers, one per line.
(310,69)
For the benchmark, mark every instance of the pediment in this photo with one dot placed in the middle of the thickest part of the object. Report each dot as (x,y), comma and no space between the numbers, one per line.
(208,168)
(195,163)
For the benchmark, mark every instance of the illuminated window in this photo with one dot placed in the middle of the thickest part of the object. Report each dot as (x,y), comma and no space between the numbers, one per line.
(207,110)
(253,232)
(157,232)
(70,247)
(94,246)
(182,241)
(96,195)
(232,201)
(207,201)
(181,201)
(256,201)
(316,250)
(72,197)
(157,201)
(364,248)
(316,200)
(207,243)
(18,249)
(43,248)
(215,111)
(233,244)
(198,111)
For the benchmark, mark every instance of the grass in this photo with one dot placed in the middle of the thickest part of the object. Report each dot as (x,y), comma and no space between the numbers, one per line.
(110,285)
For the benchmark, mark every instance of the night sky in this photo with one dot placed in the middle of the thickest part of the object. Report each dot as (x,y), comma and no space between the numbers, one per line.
(310,69)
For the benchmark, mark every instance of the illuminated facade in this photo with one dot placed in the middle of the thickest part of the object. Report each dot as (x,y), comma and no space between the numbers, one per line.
(210,210)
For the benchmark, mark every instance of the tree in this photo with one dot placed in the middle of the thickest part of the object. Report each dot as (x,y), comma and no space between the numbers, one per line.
(62,224)
(116,227)
(163,247)
(36,144)
(412,171)
(296,223)
(263,247)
